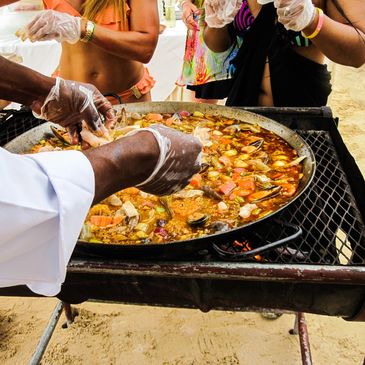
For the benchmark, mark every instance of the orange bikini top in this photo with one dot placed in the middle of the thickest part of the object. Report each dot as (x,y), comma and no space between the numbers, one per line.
(107,19)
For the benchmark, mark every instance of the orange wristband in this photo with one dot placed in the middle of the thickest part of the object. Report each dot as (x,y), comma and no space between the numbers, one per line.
(319,25)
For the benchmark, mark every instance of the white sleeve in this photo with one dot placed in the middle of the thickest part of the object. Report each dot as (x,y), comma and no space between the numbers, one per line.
(44,199)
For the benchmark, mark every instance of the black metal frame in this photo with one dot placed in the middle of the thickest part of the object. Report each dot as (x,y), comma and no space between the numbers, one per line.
(207,284)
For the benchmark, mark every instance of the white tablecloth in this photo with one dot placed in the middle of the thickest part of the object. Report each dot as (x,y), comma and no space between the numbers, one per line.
(40,56)
(165,65)
(167,61)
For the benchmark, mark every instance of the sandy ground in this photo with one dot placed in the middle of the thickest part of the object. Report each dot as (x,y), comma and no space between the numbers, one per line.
(123,334)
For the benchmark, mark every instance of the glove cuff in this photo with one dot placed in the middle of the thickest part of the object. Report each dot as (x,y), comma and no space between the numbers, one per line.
(163,145)
(319,24)
(52,95)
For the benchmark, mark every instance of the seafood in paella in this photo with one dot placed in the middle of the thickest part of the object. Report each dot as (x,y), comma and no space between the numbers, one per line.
(248,173)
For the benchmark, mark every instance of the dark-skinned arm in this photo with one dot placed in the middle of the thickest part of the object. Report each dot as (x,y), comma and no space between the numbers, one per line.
(217,39)
(21,84)
(123,163)
(338,40)
(136,160)
(64,102)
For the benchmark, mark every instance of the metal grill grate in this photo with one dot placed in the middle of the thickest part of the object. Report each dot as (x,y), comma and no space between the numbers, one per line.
(333,231)
(15,122)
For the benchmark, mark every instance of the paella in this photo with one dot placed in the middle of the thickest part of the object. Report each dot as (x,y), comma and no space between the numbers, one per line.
(248,173)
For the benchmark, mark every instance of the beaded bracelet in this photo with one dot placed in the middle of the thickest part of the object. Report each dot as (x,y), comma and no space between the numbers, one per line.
(319,25)
(90,27)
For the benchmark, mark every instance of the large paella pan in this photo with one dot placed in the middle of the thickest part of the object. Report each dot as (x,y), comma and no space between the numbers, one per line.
(254,167)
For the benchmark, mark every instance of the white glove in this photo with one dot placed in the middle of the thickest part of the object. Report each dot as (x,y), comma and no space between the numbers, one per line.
(295,14)
(219,13)
(69,103)
(179,160)
(50,24)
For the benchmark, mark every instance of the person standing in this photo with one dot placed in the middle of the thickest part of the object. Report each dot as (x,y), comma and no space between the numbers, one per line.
(205,73)
(104,42)
(282,58)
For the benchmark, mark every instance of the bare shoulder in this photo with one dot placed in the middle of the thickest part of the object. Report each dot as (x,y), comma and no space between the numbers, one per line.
(144,15)
(345,10)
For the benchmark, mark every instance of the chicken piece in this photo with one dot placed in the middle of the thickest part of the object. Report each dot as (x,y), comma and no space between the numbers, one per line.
(92,139)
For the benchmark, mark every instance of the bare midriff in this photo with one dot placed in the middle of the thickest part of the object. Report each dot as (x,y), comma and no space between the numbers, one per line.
(89,63)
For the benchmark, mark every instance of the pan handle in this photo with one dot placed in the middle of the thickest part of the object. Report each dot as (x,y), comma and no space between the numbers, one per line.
(237,256)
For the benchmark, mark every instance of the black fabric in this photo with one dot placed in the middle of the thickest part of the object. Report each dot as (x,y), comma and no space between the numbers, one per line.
(212,90)
(295,80)
(250,60)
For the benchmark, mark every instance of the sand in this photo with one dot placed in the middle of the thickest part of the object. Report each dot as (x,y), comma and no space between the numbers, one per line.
(123,334)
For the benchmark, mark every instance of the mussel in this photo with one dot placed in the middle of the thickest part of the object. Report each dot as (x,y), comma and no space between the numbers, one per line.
(61,137)
(210,193)
(258,144)
(253,147)
(165,201)
(262,195)
(204,167)
(197,219)
(219,226)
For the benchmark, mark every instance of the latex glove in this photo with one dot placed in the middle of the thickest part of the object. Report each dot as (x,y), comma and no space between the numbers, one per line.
(295,14)
(179,160)
(190,14)
(219,13)
(69,103)
(50,24)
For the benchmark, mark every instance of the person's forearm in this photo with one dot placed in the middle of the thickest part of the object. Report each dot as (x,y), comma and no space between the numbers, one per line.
(130,45)
(123,163)
(139,42)
(217,39)
(21,84)
(339,42)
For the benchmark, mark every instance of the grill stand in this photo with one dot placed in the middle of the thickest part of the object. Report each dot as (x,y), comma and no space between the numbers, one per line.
(70,314)
(47,334)
(300,328)
(321,284)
